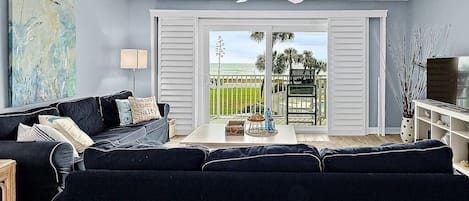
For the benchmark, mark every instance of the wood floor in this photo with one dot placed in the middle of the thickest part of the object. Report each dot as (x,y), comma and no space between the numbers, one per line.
(325,141)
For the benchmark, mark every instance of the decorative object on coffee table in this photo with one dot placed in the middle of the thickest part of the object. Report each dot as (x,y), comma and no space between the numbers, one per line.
(8,180)
(256,125)
(234,128)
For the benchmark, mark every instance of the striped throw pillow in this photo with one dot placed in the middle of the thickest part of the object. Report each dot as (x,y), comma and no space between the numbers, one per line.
(69,129)
(42,133)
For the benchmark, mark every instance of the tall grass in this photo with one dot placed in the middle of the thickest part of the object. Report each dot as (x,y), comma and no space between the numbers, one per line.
(234,100)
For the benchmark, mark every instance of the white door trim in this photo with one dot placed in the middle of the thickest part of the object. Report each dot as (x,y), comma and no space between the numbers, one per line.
(268,14)
(256,14)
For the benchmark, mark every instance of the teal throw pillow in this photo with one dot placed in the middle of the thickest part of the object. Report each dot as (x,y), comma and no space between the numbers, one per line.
(125,113)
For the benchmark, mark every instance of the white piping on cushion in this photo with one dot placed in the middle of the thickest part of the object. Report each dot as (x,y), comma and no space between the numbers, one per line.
(138,149)
(30,113)
(100,108)
(382,152)
(261,156)
(52,163)
(55,196)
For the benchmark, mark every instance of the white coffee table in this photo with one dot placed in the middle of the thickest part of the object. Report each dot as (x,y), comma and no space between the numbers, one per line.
(213,136)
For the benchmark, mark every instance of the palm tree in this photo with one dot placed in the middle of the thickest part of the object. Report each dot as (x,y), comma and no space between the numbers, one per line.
(321,65)
(279,62)
(276,37)
(291,56)
(308,61)
(277,66)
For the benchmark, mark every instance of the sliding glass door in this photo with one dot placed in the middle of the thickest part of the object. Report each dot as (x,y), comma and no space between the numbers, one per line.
(236,81)
(254,67)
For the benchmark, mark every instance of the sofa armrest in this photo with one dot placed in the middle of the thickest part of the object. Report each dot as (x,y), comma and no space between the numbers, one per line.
(41,167)
(164,109)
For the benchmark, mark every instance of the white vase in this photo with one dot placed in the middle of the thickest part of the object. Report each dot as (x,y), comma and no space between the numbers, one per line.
(407,130)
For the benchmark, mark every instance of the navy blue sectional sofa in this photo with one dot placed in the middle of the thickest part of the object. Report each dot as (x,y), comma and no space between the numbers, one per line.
(410,172)
(43,166)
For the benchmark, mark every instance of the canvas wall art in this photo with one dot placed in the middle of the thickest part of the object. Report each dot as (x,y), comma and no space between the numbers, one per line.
(42,43)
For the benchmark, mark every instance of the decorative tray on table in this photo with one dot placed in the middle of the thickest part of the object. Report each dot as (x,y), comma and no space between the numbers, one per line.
(256,127)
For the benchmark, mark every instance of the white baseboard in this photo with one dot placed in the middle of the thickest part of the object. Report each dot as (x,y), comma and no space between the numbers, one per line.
(388,130)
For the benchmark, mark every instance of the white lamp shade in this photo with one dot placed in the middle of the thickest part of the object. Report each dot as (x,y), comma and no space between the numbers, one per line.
(134,58)
(142,58)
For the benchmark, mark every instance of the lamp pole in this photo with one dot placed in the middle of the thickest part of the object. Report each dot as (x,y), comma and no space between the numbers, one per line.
(220,52)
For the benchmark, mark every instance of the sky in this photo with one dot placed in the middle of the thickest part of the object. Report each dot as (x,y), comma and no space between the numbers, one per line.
(239,48)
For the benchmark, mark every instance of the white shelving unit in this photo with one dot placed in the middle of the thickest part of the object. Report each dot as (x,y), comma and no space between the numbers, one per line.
(429,113)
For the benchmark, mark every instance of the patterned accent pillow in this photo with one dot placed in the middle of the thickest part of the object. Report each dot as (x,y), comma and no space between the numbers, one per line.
(144,109)
(125,113)
(69,129)
(42,133)
(23,132)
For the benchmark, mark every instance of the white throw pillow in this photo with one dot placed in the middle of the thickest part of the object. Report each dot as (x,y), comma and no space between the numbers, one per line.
(42,133)
(144,109)
(24,133)
(69,129)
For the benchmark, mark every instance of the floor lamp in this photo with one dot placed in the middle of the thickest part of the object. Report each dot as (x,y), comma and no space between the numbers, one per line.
(134,59)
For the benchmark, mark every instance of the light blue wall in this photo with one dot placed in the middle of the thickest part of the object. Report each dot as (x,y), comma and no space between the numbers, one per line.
(139,37)
(437,12)
(102,30)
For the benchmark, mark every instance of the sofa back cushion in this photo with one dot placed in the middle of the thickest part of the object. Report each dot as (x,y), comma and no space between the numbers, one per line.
(146,158)
(109,109)
(85,113)
(272,158)
(9,121)
(428,156)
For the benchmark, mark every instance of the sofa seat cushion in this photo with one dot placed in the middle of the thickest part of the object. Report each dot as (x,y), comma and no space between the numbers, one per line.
(272,158)
(157,131)
(85,113)
(109,109)
(428,156)
(146,158)
(9,121)
(118,137)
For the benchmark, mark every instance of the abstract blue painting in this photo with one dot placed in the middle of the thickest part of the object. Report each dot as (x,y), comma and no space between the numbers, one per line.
(42,41)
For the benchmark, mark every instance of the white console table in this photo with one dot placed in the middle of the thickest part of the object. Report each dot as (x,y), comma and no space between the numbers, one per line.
(456,124)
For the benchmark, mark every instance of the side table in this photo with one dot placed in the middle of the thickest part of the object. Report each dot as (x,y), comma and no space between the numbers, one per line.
(8,179)
(172,127)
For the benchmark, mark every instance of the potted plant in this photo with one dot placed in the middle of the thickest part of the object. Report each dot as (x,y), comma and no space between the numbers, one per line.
(411,60)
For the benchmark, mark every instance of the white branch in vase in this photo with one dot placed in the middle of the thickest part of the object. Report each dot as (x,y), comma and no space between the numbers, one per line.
(411,60)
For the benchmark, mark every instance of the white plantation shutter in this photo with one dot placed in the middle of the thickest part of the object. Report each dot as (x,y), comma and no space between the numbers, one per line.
(348,74)
(176,69)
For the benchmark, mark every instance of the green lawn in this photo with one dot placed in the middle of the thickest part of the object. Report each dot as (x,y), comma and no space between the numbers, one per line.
(243,97)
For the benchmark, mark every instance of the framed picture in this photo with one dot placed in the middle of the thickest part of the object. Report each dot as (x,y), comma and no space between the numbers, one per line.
(42,43)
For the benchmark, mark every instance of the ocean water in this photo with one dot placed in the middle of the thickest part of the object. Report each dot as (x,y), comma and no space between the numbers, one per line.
(239,69)
(234,69)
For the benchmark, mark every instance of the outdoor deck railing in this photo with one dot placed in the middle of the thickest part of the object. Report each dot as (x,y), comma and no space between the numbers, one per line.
(240,95)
